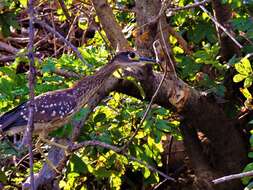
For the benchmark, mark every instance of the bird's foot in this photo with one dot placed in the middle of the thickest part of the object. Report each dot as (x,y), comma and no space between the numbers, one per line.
(54,144)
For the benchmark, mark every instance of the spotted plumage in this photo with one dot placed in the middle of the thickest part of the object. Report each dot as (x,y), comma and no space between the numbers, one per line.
(48,108)
(54,109)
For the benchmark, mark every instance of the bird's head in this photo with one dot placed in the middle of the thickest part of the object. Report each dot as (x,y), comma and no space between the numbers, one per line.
(131,59)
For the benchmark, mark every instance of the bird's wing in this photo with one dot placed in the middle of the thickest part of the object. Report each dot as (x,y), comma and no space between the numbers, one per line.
(12,117)
(54,106)
(48,107)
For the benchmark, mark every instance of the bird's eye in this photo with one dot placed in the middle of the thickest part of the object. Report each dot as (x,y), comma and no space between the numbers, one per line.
(132,56)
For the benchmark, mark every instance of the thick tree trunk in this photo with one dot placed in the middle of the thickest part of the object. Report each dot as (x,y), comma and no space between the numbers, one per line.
(227,153)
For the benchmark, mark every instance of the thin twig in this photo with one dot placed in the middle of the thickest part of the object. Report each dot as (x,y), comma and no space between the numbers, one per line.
(19,163)
(153,169)
(50,29)
(105,42)
(182,42)
(169,153)
(68,36)
(8,48)
(119,151)
(94,143)
(30,124)
(7,58)
(166,5)
(166,49)
(53,24)
(189,6)
(146,112)
(159,184)
(65,10)
(66,73)
(244,35)
(233,176)
(219,25)
(71,27)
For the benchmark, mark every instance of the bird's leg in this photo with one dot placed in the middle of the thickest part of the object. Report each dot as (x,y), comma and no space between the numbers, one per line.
(43,138)
(54,144)
(50,164)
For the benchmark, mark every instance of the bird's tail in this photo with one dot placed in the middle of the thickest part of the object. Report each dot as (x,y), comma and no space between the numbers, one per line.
(11,119)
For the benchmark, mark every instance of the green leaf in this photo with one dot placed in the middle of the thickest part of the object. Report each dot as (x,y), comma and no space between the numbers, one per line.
(77,165)
(246,64)
(239,77)
(250,154)
(115,181)
(105,137)
(72,178)
(6,30)
(49,66)
(146,173)
(247,82)
(64,131)
(7,19)
(158,135)
(240,69)
(246,180)
(99,117)
(246,93)
(251,140)
(249,186)
(81,114)
(102,172)
(3,177)
(23,2)
(164,125)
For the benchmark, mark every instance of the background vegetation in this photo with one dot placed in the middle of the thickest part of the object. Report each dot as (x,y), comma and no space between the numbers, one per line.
(210,62)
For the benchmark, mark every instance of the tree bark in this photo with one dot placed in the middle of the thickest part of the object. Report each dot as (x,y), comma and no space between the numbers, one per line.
(110,26)
(229,151)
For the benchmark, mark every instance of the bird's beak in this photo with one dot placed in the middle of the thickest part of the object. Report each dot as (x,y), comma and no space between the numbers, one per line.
(147,60)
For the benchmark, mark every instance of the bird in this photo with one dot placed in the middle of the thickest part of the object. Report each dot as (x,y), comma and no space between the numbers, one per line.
(53,109)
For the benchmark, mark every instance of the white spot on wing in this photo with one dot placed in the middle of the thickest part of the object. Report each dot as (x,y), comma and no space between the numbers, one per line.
(53,113)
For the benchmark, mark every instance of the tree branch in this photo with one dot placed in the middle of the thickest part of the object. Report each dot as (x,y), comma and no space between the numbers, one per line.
(117,150)
(29,130)
(8,48)
(180,40)
(233,176)
(110,26)
(50,29)
(219,25)
(190,6)
(145,113)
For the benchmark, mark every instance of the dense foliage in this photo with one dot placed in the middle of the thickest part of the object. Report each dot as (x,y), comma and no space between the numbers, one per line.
(114,120)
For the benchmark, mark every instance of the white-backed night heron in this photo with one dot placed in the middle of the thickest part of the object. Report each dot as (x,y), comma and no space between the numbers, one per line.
(54,109)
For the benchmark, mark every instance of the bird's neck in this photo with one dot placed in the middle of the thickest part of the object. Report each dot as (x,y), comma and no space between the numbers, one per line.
(89,85)
(106,71)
